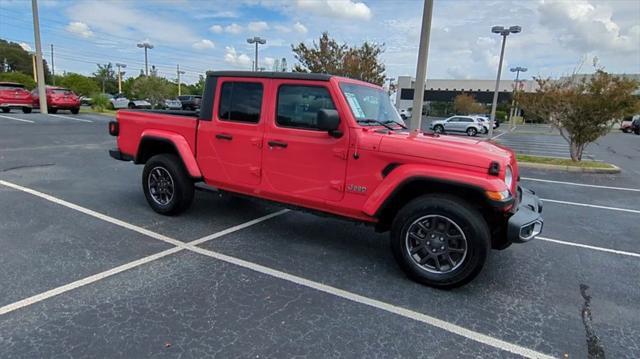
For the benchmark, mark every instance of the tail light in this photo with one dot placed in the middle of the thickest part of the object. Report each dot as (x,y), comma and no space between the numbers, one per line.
(114,128)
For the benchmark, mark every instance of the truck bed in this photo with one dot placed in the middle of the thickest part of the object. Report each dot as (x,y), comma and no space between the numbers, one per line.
(136,124)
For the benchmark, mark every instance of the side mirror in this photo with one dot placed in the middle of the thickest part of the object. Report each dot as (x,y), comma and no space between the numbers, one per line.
(328,120)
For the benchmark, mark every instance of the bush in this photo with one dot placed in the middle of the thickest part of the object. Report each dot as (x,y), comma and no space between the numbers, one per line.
(18,77)
(501,116)
(100,102)
(79,84)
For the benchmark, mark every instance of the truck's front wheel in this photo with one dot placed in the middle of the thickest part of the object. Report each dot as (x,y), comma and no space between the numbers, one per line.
(166,184)
(440,241)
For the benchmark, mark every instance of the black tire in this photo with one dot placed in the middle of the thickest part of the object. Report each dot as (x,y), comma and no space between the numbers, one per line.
(53,110)
(26,110)
(75,111)
(6,109)
(438,129)
(469,221)
(181,184)
(472,131)
(131,106)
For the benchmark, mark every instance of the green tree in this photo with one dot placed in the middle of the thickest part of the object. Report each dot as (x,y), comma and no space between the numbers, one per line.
(105,75)
(152,88)
(582,108)
(18,77)
(465,104)
(18,59)
(82,85)
(328,56)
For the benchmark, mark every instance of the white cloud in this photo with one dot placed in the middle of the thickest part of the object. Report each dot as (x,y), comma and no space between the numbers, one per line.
(282,28)
(25,46)
(346,9)
(300,28)
(80,29)
(232,57)
(233,28)
(216,29)
(203,44)
(267,63)
(258,26)
(217,15)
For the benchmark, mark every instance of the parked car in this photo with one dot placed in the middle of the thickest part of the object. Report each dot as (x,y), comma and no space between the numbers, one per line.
(405,113)
(625,126)
(58,98)
(466,124)
(86,100)
(14,95)
(635,126)
(336,145)
(172,104)
(190,102)
(120,101)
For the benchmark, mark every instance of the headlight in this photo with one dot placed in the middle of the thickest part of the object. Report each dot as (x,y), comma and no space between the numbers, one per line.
(508,177)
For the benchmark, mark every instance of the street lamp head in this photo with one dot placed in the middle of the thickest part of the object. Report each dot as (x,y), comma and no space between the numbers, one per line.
(251,41)
(145,44)
(121,65)
(140,45)
(257,39)
(497,29)
(515,29)
(262,41)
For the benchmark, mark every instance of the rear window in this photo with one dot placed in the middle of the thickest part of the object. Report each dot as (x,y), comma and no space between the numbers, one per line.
(11,86)
(62,92)
(240,102)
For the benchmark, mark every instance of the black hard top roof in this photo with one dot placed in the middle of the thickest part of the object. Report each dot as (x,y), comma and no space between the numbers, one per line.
(272,75)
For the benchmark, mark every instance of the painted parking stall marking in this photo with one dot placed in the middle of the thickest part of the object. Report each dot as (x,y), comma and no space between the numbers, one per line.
(16,119)
(591,205)
(71,118)
(581,184)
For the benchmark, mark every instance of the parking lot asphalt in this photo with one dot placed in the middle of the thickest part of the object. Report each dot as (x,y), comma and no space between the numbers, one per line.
(77,282)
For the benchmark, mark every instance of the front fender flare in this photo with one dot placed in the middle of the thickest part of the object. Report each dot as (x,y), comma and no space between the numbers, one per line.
(405,174)
(181,145)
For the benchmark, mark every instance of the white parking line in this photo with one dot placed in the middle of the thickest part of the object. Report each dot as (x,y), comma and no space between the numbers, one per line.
(449,327)
(601,249)
(581,184)
(70,118)
(16,119)
(591,205)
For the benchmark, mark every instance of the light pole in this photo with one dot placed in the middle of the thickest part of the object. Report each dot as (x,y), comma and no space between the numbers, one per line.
(504,32)
(146,46)
(179,73)
(421,70)
(42,93)
(517,70)
(120,76)
(258,41)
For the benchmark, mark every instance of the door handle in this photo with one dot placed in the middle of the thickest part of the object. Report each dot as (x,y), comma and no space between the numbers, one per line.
(277,144)
(224,136)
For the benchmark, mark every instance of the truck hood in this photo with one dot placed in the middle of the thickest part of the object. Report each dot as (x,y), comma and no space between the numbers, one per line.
(453,149)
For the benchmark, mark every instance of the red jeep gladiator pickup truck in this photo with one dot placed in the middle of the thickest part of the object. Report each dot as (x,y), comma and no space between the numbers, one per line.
(336,145)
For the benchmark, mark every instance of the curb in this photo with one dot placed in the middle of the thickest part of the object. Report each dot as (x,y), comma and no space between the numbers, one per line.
(546,166)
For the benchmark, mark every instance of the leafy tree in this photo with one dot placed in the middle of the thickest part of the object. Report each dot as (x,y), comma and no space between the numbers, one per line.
(82,85)
(19,60)
(328,56)
(465,104)
(19,77)
(100,102)
(105,75)
(152,88)
(582,109)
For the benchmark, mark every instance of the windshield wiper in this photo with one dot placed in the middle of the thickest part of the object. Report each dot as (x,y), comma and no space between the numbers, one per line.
(397,123)
(385,124)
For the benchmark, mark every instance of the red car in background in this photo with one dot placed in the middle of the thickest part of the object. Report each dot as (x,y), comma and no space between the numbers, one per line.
(58,98)
(14,95)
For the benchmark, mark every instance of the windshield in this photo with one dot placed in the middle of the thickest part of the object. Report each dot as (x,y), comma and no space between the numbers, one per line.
(369,103)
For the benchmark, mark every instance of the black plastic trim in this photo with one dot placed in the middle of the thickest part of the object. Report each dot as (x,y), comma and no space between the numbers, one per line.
(115,153)
(388,168)
(271,75)
(208,97)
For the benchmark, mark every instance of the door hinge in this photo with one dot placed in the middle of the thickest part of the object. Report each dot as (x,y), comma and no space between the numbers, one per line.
(337,185)
(340,153)
(255,170)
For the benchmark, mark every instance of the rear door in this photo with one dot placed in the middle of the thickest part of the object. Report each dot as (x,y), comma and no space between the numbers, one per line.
(302,162)
(229,146)
(452,124)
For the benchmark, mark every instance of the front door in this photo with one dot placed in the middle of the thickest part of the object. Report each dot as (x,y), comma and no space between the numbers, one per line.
(301,161)
(230,145)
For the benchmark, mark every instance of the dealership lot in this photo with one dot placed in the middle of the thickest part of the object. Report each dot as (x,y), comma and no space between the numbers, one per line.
(87,269)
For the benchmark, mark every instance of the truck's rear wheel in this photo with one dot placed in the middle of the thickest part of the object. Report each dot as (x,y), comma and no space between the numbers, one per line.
(167,185)
(440,241)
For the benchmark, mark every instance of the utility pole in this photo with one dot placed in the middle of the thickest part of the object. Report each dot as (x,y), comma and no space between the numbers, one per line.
(42,93)
(146,46)
(120,76)
(53,68)
(179,73)
(421,70)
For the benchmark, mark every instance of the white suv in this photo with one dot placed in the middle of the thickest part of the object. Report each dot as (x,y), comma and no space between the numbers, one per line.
(470,125)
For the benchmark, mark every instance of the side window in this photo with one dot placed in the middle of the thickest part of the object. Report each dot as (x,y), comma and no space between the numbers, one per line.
(454,119)
(466,119)
(298,105)
(240,102)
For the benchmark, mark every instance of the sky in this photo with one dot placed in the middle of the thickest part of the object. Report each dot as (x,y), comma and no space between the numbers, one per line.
(557,38)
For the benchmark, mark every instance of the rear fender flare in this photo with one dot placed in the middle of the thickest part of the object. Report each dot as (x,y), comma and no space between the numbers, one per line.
(179,143)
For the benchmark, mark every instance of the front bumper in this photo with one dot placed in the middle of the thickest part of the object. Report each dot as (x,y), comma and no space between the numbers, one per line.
(526,223)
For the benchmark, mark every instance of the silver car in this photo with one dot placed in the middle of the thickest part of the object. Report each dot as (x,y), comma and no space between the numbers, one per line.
(173,104)
(467,124)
